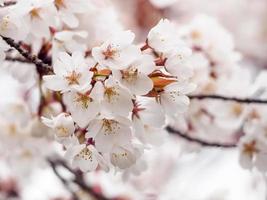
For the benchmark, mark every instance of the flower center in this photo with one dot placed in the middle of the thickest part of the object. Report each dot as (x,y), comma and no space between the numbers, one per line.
(110,93)
(62,131)
(73,78)
(59,4)
(237,109)
(83,99)
(195,35)
(250,148)
(34,13)
(85,154)
(109,53)
(110,126)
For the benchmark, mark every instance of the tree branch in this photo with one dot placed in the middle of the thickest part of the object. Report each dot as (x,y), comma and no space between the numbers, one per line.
(42,67)
(78,179)
(223,98)
(63,180)
(17,59)
(9,3)
(198,141)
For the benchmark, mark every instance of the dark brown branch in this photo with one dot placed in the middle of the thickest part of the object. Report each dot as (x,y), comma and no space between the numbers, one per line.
(9,3)
(17,59)
(78,179)
(224,98)
(198,141)
(42,68)
(63,180)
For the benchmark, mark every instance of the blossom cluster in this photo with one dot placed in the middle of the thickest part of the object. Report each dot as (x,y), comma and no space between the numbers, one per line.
(117,98)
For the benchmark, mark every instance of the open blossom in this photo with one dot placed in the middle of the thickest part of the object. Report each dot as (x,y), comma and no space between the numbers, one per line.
(118,51)
(107,132)
(135,77)
(68,41)
(62,124)
(11,26)
(112,96)
(253,150)
(164,38)
(148,129)
(71,73)
(178,64)
(174,99)
(38,14)
(83,106)
(85,157)
(67,10)
(122,157)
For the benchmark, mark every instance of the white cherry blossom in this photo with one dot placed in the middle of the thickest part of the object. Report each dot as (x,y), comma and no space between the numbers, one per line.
(118,51)
(85,157)
(148,129)
(122,157)
(12,26)
(68,41)
(109,131)
(67,10)
(163,37)
(174,99)
(37,14)
(178,64)
(63,126)
(82,106)
(112,96)
(71,73)
(135,77)
(253,151)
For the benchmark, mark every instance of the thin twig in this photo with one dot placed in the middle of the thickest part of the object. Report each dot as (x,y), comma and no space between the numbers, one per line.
(224,98)
(42,68)
(198,141)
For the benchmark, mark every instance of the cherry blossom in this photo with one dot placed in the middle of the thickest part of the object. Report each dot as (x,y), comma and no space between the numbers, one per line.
(112,96)
(253,152)
(122,157)
(67,10)
(117,52)
(62,124)
(174,99)
(67,41)
(37,14)
(135,77)
(82,106)
(85,157)
(109,131)
(71,73)
(164,37)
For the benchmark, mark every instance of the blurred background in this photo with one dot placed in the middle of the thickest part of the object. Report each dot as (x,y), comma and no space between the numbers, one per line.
(176,170)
